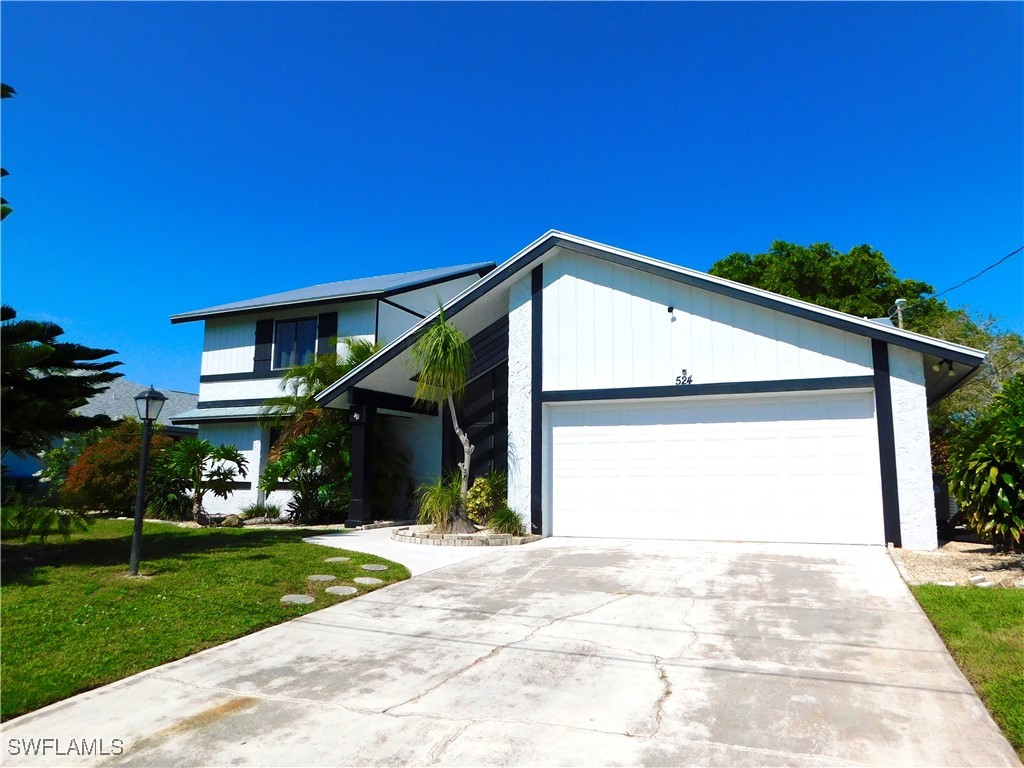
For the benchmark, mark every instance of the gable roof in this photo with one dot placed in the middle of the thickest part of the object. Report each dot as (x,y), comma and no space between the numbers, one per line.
(118,402)
(344,290)
(539,250)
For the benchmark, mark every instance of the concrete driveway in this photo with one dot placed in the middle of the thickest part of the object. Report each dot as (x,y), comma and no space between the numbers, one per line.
(567,652)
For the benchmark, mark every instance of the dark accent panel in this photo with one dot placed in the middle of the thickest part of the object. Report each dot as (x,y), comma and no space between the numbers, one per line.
(241,485)
(326,329)
(536,404)
(243,376)
(404,309)
(217,420)
(734,292)
(230,403)
(886,443)
(264,345)
(490,347)
(725,388)
(483,414)
(360,509)
(389,401)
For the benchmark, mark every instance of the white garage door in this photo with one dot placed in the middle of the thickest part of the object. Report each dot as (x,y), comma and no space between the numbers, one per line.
(798,467)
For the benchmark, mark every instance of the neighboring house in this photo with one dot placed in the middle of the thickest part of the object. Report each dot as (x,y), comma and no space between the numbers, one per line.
(633,397)
(248,345)
(117,402)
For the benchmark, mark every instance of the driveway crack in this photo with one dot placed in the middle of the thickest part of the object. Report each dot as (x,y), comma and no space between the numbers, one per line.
(659,705)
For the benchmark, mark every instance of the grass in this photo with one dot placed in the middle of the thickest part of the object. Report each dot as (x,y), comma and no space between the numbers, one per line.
(71,620)
(984,630)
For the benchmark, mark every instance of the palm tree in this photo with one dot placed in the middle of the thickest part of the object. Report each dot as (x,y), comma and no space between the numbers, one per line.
(209,468)
(443,355)
(297,411)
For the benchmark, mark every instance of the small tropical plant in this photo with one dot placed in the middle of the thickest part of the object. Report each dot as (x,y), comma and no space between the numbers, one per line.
(442,355)
(260,509)
(485,495)
(987,472)
(439,500)
(209,469)
(504,519)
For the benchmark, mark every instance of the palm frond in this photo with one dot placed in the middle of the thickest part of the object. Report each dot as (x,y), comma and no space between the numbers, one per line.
(443,356)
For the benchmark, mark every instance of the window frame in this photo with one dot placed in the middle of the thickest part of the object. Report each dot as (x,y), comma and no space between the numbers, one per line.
(295,321)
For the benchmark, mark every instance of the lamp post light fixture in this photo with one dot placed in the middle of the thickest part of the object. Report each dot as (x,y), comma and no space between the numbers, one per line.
(148,404)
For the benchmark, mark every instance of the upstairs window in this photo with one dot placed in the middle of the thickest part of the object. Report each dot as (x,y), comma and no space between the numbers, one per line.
(294,342)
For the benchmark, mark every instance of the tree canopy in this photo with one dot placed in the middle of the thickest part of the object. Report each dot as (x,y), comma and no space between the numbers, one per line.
(43,381)
(861,282)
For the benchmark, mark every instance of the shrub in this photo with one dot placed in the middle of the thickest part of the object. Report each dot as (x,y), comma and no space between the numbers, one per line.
(260,509)
(105,475)
(504,519)
(486,495)
(29,517)
(987,470)
(439,501)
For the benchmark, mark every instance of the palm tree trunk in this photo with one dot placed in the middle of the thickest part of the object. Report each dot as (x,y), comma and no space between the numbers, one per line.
(460,520)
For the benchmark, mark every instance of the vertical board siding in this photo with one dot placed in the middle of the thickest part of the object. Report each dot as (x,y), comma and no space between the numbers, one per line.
(609,326)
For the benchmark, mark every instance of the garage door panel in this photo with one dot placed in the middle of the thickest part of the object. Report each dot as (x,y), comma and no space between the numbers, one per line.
(779,468)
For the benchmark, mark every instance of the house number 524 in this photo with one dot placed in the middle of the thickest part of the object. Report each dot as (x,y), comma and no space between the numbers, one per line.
(684,379)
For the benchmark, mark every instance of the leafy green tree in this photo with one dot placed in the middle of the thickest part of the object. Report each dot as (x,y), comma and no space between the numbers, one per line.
(209,469)
(443,355)
(43,381)
(987,470)
(860,282)
(58,460)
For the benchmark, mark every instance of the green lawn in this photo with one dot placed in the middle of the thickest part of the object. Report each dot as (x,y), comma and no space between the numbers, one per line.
(71,619)
(984,630)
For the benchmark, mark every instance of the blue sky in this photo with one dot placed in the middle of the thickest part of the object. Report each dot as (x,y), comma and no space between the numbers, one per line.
(167,157)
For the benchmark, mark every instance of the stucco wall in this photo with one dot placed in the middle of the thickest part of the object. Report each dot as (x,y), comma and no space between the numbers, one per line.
(519,398)
(913,454)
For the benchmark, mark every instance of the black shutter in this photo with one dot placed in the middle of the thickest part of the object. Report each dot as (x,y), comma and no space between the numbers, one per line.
(264,345)
(326,329)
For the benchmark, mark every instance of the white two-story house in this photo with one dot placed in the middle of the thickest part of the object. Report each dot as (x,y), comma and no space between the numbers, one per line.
(248,345)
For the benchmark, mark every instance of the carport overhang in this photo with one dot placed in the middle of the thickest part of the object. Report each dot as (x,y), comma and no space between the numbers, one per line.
(388,379)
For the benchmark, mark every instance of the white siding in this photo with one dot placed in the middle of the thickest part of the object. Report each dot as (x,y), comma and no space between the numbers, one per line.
(247,438)
(248,389)
(229,344)
(607,326)
(425,300)
(519,402)
(393,322)
(913,453)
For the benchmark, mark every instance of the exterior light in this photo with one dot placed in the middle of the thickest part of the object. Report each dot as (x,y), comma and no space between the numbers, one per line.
(937,367)
(951,371)
(149,403)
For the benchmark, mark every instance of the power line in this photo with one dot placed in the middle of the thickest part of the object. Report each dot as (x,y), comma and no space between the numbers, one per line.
(973,277)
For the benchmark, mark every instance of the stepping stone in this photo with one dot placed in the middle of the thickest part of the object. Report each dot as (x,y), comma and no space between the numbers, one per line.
(297,599)
(337,560)
(341,590)
(374,567)
(321,577)
(986,584)
(368,580)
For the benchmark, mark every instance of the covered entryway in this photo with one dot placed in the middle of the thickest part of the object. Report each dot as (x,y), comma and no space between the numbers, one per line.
(780,467)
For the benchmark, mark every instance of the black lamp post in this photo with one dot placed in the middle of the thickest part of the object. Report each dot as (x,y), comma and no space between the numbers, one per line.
(149,404)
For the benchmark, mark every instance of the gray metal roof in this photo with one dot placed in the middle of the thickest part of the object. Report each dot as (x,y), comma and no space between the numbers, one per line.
(232,413)
(361,287)
(118,402)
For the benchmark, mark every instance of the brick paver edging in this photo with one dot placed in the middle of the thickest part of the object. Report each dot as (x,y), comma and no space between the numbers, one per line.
(409,536)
